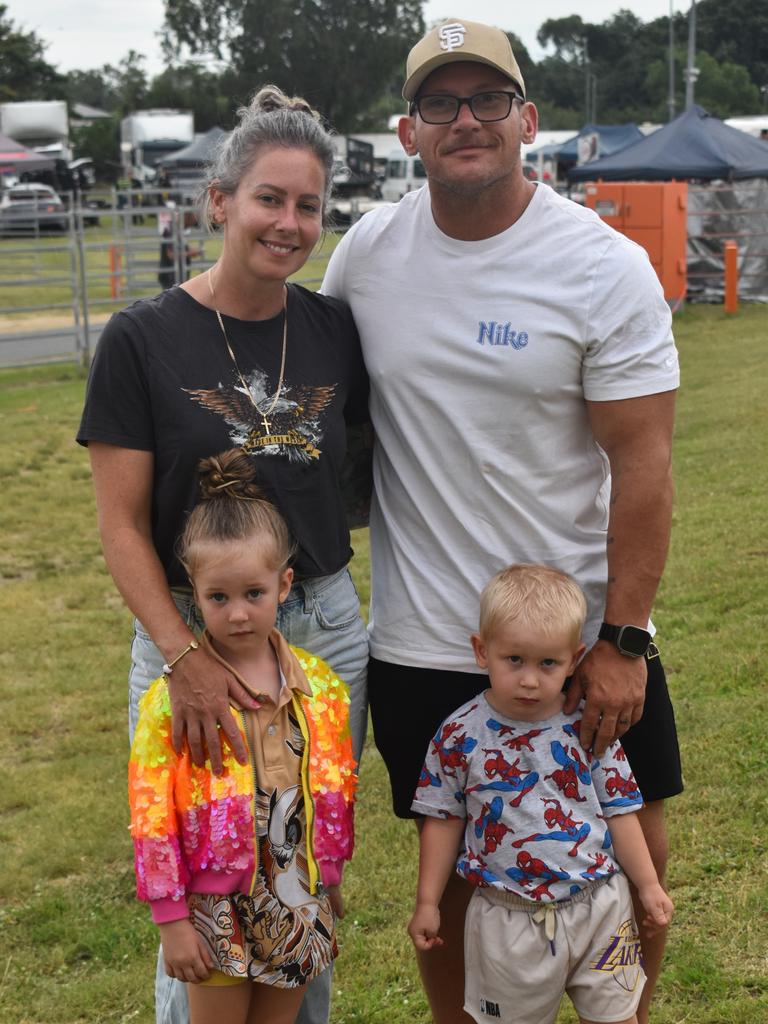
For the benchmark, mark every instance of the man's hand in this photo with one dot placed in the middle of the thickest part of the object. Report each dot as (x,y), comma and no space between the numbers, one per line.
(424,926)
(200,688)
(185,956)
(614,687)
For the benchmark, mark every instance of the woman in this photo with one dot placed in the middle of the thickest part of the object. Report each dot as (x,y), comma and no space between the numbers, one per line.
(234,358)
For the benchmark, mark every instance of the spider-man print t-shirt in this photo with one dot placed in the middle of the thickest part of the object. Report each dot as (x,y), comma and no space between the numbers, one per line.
(163,381)
(537,808)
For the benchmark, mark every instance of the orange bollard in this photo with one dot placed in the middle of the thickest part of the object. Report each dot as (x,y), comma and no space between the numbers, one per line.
(115,268)
(731,251)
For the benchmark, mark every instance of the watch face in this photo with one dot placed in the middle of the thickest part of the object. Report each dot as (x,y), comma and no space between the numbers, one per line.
(633,640)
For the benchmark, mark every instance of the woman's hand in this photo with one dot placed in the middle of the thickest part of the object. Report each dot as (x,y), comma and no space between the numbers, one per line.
(186,958)
(200,688)
(123,479)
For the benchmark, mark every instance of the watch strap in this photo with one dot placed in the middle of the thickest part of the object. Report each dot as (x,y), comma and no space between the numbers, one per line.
(609,632)
(633,648)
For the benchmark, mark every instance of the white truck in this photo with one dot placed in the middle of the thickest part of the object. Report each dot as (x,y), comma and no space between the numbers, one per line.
(146,136)
(42,125)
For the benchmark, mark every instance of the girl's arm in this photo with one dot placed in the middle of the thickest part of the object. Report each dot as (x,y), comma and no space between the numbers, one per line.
(438,849)
(162,875)
(333,775)
(199,685)
(336,900)
(632,854)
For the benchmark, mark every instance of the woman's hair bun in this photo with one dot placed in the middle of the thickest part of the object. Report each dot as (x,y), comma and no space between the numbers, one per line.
(270,98)
(230,474)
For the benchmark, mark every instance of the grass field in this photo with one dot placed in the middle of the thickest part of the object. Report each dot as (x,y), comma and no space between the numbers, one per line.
(75,946)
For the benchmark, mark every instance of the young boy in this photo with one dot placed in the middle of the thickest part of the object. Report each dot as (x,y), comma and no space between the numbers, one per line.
(544,836)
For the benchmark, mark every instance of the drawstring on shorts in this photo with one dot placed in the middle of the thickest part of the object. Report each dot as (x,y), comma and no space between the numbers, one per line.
(541,913)
(548,916)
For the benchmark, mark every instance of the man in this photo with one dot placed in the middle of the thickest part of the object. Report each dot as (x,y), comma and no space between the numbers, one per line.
(518,349)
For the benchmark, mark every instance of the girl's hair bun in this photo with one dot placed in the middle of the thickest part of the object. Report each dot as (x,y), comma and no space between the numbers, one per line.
(230,474)
(233,507)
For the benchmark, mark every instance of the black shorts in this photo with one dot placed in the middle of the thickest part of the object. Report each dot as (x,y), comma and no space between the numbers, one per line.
(408,704)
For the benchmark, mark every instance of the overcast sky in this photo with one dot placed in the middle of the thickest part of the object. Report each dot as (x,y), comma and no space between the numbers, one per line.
(85,34)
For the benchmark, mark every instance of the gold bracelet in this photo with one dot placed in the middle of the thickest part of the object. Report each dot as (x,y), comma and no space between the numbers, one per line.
(191,646)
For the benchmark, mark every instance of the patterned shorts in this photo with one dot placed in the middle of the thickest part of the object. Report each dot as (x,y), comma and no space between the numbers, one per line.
(257,938)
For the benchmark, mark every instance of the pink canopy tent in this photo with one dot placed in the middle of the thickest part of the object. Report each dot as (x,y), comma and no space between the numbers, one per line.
(17,158)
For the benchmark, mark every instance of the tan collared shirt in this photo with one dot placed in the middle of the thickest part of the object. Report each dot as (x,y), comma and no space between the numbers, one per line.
(274,738)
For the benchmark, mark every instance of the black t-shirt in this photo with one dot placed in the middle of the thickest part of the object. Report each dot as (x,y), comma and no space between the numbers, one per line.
(163,381)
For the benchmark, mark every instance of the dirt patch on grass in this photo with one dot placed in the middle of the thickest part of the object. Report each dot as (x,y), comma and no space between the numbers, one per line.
(38,323)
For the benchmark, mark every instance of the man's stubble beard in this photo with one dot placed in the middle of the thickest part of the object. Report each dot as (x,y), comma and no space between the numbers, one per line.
(470,189)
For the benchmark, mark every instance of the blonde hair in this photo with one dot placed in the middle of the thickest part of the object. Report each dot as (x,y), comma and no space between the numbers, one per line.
(271,119)
(232,506)
(533,595)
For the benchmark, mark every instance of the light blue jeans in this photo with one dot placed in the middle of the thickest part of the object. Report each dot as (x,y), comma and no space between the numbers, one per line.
(322,615)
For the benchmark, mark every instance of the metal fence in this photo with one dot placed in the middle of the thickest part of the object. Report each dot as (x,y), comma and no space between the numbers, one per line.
(63,271)
(720,213)
(38,277)
(59,282)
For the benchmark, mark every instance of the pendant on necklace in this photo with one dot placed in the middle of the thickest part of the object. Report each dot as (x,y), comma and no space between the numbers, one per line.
(267,424)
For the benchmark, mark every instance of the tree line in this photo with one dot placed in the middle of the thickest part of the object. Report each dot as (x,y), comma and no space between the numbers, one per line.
(346,57)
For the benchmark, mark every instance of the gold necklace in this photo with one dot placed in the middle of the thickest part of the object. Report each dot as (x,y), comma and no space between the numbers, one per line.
(264,415)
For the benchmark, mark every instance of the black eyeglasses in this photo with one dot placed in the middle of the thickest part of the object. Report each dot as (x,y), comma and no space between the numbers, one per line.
(485,106)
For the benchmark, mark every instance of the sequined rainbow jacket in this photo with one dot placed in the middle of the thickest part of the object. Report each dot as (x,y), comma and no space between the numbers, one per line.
(194,831)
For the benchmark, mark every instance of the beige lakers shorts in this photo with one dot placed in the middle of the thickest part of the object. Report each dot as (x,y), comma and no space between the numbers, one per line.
(522,956)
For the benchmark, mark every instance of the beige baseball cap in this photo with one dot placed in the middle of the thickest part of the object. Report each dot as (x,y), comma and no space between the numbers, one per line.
(456,39)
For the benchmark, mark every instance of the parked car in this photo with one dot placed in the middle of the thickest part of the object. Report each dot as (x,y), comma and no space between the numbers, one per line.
(31,207)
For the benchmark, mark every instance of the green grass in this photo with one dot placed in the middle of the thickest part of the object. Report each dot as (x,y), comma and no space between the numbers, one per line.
(75,946)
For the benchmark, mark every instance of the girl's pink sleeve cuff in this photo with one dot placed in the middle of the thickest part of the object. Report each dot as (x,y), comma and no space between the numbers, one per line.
(167,909)
(331,872)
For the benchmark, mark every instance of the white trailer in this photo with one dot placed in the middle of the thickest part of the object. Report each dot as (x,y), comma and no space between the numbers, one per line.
(42,125)
(147,136)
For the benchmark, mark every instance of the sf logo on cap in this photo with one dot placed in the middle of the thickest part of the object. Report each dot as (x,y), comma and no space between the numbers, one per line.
(451,36)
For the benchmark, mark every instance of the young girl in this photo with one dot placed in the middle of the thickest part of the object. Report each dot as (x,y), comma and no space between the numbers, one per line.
(242,869)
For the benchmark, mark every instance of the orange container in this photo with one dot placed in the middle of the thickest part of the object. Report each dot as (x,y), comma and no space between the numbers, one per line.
(655,215)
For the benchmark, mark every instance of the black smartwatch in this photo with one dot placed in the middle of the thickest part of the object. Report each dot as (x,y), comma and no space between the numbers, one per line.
(629,640)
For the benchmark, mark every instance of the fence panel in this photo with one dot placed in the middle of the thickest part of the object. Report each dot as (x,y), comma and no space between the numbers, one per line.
(39,286)
(718,214)
(58,290)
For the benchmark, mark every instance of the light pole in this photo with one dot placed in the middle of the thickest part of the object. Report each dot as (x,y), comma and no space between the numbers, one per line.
(671,99)
(691,71)
(590,89)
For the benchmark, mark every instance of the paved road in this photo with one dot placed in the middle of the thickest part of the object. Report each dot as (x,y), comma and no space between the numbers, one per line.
(42,346)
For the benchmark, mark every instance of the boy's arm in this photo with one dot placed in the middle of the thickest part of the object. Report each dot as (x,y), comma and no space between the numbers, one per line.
(439,846)
(632,853)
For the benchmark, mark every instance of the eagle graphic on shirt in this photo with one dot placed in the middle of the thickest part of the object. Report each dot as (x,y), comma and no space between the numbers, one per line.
(293,428)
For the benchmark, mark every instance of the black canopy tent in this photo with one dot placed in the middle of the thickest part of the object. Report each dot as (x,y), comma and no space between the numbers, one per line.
(197,153)
(611,138)
(694,146)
